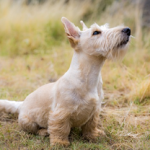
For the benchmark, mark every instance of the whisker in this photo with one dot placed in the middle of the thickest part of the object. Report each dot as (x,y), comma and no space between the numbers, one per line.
(132,36)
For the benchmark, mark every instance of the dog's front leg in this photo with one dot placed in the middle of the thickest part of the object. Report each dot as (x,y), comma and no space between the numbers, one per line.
(59,128)
(90,129)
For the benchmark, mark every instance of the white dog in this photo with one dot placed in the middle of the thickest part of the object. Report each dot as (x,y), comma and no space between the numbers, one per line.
(75,99)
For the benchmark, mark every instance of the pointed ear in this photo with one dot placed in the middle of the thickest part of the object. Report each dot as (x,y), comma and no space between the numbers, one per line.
(73,32)
(83,25)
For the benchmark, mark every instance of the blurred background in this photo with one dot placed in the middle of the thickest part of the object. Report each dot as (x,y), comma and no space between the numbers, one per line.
(35,26)
(34,50)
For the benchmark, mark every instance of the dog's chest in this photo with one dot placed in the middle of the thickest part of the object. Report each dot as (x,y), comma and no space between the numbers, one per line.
(83,112)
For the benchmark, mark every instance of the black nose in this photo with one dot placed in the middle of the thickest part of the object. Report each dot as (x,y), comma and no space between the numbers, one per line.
(127,31)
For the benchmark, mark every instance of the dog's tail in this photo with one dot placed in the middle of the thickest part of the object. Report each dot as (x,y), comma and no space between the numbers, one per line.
(10,106)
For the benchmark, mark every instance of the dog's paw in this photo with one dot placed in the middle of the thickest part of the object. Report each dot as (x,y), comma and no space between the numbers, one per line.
(101,132)
(59,142)
(43,132)
(92,136)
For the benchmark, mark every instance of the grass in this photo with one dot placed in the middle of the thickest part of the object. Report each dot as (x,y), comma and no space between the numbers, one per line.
(35,51)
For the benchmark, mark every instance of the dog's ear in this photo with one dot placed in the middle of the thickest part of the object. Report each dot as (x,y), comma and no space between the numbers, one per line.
(73,32)
(83,25)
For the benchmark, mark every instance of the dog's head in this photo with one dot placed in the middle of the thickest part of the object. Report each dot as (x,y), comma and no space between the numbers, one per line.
(98,40)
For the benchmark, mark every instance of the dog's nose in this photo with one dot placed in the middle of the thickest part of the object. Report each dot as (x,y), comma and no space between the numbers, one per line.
(127,31)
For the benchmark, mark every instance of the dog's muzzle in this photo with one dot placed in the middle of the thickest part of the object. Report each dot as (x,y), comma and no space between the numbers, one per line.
(127,31)
(126,34)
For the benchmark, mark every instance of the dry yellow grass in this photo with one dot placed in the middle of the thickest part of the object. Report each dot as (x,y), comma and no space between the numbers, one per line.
(35,51)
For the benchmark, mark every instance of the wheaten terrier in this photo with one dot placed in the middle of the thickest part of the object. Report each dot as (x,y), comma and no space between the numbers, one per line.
(75,99)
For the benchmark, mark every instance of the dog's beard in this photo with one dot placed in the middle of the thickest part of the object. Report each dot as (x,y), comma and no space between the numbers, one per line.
(122,43)
(119,49)
(118,53)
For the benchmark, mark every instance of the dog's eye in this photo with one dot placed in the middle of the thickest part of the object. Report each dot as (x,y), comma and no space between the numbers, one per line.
(96,32)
